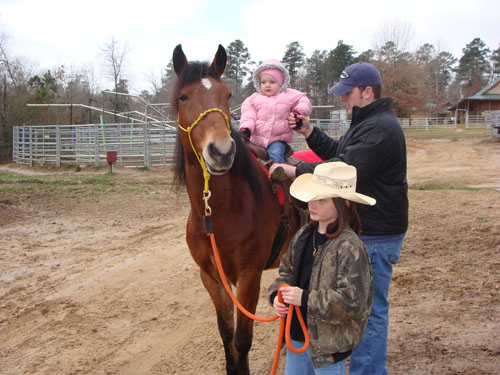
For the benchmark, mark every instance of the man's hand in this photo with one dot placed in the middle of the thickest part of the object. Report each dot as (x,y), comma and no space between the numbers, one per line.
(306,128)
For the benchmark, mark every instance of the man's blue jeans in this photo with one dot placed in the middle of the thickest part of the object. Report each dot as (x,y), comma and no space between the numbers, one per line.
(300,364)
(276,151)
(369,357)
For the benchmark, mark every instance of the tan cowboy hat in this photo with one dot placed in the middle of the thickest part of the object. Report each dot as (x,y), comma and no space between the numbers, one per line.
(329,180)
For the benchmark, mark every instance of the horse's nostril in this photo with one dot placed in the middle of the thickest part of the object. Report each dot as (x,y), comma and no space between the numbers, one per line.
(224,155)
(213,150)
(228,156)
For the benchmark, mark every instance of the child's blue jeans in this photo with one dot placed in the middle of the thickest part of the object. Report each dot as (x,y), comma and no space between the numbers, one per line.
(276,151)
(300,363)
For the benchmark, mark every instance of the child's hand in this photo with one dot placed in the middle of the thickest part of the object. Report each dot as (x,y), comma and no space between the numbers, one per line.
(244,133)
(280,308)
(292,295)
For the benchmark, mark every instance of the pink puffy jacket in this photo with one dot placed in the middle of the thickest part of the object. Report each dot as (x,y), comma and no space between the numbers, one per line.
(267,116)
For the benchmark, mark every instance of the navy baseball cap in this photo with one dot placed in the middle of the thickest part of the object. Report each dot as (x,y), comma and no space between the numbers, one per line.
(355,75)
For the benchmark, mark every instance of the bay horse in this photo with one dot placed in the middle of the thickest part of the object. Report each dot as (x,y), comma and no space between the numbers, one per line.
(243,208)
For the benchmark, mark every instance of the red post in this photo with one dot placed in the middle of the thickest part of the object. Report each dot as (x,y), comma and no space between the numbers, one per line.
(111,156)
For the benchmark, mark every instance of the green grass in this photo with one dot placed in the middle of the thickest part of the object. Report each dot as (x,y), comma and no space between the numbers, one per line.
(59,184)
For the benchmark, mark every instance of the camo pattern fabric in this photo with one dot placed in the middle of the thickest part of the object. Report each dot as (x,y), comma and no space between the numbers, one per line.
(340,292)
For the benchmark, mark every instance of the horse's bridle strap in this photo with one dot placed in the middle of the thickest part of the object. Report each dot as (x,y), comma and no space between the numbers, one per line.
(206,174)
(190,128)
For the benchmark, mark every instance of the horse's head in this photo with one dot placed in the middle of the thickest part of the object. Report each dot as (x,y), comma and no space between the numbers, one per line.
(202,103)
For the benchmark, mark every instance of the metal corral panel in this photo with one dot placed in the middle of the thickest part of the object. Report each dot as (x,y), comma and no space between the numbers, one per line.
(495,123)
(137,145)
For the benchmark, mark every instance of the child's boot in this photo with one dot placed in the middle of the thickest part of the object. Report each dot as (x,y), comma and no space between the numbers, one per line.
(277,178)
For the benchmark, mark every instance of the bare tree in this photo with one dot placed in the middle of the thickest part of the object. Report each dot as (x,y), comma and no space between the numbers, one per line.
(397,31)
(14,93)
(161,82)
(4,59)
(155,81)
(116,54)
(91,88)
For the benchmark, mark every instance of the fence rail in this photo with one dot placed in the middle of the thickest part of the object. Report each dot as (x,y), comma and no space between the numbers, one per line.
(152,144)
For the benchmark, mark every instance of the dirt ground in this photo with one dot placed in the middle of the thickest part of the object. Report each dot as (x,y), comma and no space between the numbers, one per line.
(104,283)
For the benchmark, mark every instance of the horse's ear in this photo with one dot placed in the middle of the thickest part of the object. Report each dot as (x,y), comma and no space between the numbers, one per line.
(179,60)
(220,59)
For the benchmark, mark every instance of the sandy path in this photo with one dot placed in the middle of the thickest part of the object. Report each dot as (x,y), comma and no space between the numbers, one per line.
(104,284)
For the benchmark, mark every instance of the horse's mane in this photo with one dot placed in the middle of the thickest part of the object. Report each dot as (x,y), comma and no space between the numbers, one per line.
(243,164)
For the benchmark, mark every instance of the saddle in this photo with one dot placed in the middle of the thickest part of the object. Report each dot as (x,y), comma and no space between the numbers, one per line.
(261,153)
(287,202)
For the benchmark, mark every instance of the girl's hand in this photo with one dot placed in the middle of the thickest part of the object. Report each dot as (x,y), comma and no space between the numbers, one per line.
(280,308)
(306,128)
(292,295)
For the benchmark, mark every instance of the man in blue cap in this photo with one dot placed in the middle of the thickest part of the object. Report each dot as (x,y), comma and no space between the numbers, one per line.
(375,145)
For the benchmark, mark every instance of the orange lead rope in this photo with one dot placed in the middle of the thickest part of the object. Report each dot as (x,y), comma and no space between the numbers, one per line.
(287,332)
(209,232)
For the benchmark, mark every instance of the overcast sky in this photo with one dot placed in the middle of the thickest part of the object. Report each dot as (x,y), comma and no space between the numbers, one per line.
(50,33)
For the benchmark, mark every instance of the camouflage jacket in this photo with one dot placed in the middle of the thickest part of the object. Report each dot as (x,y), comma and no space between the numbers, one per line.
(340,292)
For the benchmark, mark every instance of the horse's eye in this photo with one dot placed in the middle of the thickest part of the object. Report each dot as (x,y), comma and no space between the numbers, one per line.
(183,97)
(229,96)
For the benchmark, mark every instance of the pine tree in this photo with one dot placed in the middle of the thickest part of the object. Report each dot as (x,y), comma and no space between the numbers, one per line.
(237,69)
(338,59)
(474,67)
(293,59)
(365,56)
(45,88)
(316,81)
(495,60)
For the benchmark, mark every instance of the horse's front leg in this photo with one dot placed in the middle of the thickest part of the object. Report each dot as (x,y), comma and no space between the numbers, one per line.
(248,287)
(225,320)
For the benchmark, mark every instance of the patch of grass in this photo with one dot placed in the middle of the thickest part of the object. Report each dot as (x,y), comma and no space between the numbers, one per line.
(447,133)
(98,179)
(5,175)
(68,185)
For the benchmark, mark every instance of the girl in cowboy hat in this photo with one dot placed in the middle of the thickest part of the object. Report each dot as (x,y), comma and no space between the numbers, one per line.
(328,271)
(264,114)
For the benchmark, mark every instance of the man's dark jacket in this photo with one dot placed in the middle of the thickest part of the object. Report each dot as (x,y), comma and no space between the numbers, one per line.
(375,145)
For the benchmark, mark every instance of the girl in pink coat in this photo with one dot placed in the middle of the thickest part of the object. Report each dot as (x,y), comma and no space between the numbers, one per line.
(264,115)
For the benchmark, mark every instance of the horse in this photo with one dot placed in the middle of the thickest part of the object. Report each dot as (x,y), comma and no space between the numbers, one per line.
(244,212)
